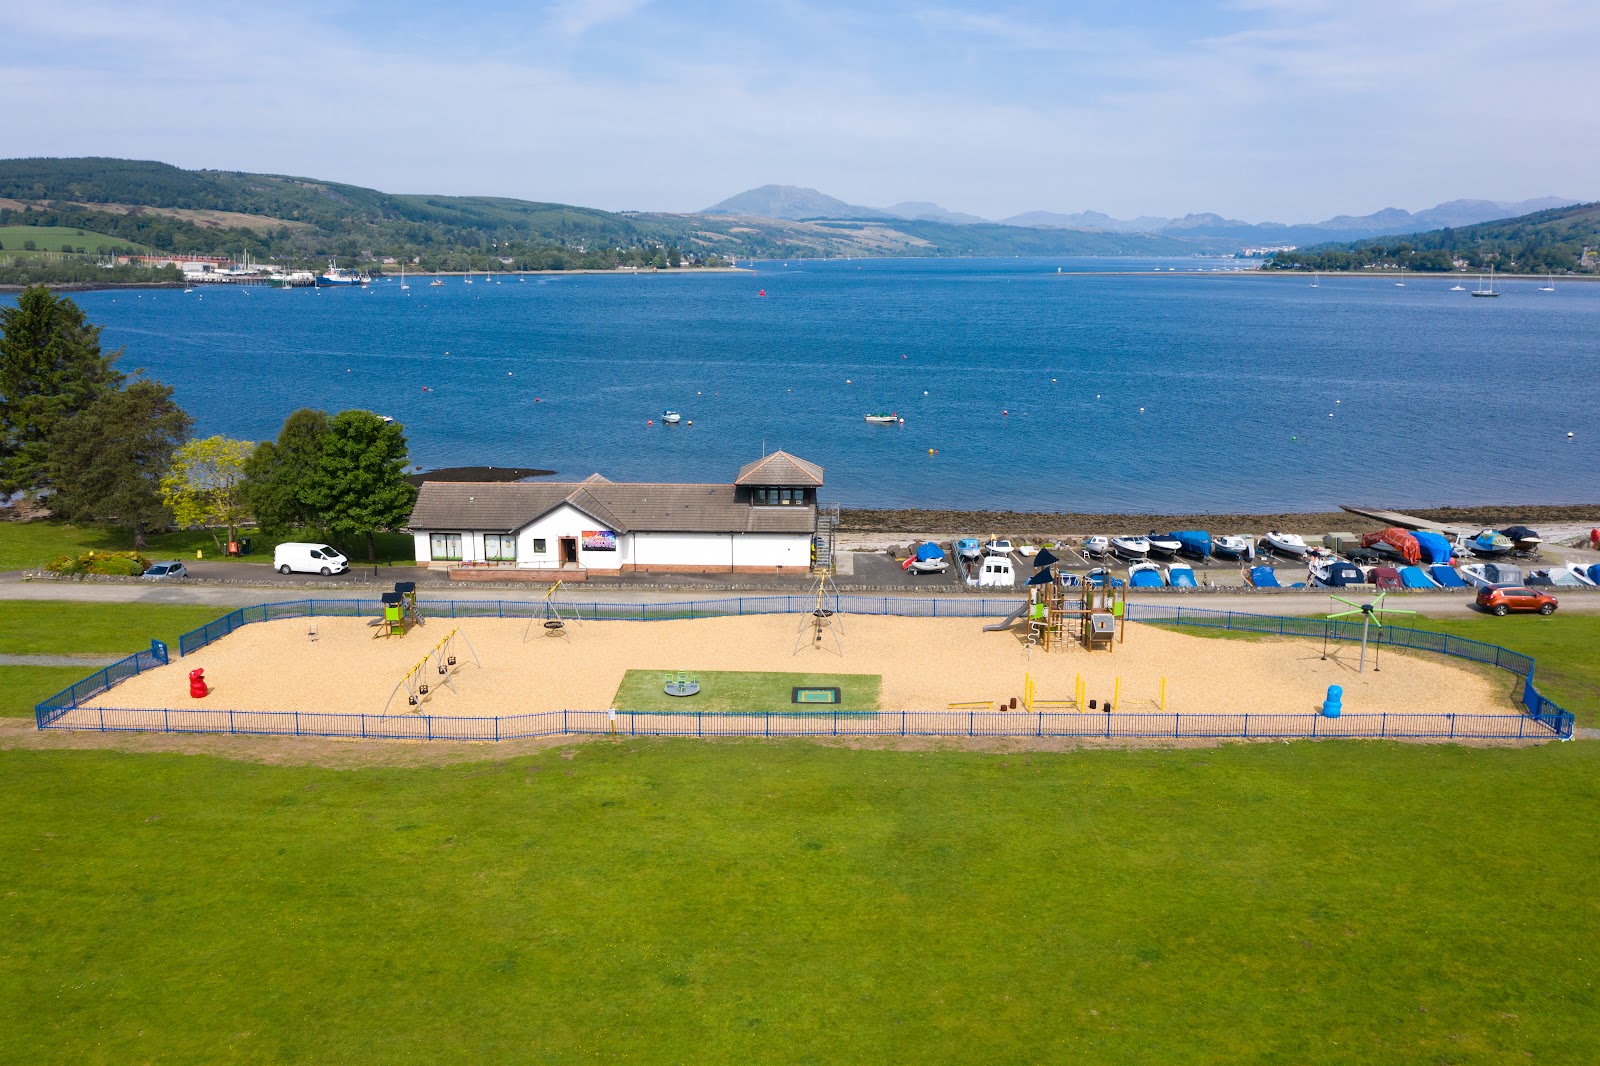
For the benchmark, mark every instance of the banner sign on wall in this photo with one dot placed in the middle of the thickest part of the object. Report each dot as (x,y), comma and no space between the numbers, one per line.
(599,540)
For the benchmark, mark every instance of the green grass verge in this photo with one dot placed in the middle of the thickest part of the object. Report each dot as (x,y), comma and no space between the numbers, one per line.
(22,687)
(1336,902)
(750,692)
(1567,667)
(55,627)
(52,238)
(28,545)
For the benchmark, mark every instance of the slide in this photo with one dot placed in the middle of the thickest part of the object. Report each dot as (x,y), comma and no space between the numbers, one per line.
(1009,620)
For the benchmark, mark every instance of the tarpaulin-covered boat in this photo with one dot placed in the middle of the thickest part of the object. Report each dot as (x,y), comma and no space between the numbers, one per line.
(1395,541)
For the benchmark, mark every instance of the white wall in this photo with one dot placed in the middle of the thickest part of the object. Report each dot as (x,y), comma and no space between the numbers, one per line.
(684,549)
(565,521)
(720,551)
(772,549)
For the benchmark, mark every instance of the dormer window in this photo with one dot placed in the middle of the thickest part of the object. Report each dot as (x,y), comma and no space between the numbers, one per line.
(779,497)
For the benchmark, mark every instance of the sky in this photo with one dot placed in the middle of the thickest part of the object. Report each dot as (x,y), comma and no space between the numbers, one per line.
(1262,110)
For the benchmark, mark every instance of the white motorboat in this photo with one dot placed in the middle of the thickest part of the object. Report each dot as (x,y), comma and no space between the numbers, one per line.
(1555,576)
(1145,575)
(1096,546)
(1164,545)
(968,548)
(1581,572)
(1458,288)
(1131,547)
(998,546)
(671,418)
(881,419)
(1233,546)
(1290,544)
(1490,575)
(1181,576)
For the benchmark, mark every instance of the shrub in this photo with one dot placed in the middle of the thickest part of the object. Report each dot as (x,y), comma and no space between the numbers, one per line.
(122,564)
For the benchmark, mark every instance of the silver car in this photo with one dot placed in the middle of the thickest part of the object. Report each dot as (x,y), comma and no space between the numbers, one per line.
(166,570)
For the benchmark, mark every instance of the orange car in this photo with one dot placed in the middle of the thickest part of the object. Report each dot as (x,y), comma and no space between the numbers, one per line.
(1503,599)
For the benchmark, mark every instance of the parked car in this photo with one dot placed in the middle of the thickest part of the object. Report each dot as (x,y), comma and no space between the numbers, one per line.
(1503,599)
(300,558)
(168,569)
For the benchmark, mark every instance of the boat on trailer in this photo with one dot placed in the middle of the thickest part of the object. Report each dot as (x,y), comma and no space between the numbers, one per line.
(1145,575)
(1181,576)
(1233,546)
(1290,544)
(1131,547)
(968,548)
(1096,546)
(1164,546)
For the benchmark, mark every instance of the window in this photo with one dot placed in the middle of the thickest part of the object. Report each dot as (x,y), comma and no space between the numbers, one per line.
(538,546)
(315,554)
(445,547)
(500,548)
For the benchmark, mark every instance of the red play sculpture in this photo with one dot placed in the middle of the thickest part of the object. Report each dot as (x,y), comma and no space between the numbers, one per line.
(197,683)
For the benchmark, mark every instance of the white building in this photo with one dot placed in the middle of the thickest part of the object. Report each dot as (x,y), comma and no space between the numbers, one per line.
(763,523)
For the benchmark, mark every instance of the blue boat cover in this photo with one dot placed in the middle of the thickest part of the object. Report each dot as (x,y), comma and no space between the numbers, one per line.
(1183,579)
(1262,577)
(967,545)
(1435,548)
(1342,574)
(1194,541)
(1447,577)
(1414,577)
(1146,579)
(1594,573)
(929,551)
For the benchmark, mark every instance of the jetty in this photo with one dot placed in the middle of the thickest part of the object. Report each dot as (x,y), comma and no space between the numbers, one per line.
(1404,521)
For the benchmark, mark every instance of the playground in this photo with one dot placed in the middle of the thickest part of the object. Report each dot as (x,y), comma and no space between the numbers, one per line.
(483,667)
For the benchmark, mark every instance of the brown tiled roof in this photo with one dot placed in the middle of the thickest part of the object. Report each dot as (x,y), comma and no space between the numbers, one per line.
(779,468)
(501,507)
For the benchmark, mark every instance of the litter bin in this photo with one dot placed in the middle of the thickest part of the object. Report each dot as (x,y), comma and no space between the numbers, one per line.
(244,545)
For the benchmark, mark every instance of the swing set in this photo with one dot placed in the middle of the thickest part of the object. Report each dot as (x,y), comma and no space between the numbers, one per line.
(442,657)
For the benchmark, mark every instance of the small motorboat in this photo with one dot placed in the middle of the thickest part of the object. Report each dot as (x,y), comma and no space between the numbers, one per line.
(1446,576)
(1584,574)
(1096,546)
(1196,542)
(1490,575)
(1490,545)
(1131,547)
(1556,577)
(1262,577)
(997,546)
(1414,577)
(671,418)
(968,548)
(1181,576)
(1336,574)
(1396,543)
(1290,544)
(1099,576)
(928,559)
(1523,539)
(1145,575)
(1233,546)
(1163,546)
(1385,577)
(882,419)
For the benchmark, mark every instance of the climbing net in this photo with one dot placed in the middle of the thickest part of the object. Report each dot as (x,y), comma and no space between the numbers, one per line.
(438,667)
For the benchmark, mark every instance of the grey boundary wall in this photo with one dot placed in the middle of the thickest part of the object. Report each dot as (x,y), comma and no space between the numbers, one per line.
(1543,720)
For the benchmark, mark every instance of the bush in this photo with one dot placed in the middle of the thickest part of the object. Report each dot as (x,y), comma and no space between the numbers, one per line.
(122,564)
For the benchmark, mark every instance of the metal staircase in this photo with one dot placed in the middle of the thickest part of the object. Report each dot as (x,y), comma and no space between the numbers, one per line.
(822,542)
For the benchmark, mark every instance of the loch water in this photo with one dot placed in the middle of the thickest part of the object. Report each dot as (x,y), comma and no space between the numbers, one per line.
(1035,384)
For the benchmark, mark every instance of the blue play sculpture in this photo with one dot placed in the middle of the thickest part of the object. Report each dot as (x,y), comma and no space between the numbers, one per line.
(1331,706)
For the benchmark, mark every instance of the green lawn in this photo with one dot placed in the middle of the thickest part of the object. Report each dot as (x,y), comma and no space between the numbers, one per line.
(29,545)
(54,627)
(51,238)
(750,902)
(749,692)
(22,687)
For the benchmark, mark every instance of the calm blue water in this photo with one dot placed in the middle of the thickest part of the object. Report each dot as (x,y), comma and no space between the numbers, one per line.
(1440,398)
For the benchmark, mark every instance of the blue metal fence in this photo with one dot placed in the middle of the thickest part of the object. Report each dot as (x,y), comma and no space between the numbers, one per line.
(1549,718)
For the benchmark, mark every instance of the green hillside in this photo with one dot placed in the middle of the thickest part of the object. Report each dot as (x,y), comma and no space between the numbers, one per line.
(61,239)
(302,221)
(1562,240)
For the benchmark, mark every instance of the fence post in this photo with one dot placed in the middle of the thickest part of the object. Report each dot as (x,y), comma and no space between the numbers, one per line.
(563,720)
(902,723)
(427,721)
(230,720)
(166,720)
(699,723)
(296,723)
(1314,724)
(836,721)
(1452,725)
(1177,730)
(1383,725)
(1247,725)
(768,723)
(102,719)
(497,722)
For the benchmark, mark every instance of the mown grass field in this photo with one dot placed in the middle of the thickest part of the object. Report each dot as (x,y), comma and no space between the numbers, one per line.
(52,238)
(29,545)
(709,902)
(725,691)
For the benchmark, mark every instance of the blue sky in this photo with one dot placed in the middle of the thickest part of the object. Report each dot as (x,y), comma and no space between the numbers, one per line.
(1257,109)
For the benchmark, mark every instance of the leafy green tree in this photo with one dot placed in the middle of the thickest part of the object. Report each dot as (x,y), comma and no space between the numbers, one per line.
(279,475)
(51,368)
(107,461)
(360,486)
(206,486)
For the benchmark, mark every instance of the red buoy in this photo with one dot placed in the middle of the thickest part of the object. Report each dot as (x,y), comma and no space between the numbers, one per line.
(197,684)
(763,292)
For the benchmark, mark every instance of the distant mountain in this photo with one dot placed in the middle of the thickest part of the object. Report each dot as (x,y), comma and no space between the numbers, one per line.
(1088,220)
(792,203)
(1558,240)
(928,212)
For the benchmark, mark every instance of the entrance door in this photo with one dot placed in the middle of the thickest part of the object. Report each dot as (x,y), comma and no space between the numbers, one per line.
(569,551)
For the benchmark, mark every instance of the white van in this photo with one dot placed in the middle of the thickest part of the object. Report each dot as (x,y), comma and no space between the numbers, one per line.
(996,573)
(308,559)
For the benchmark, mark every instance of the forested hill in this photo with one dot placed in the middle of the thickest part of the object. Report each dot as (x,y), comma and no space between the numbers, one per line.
(1558,241)
(150,205)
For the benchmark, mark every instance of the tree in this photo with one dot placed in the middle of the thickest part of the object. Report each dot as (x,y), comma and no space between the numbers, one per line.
(106,462)
(361,485)
(205,486)
(279,476)
(51,368)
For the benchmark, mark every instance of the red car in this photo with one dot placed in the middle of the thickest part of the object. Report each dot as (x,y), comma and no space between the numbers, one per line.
(1506,598)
